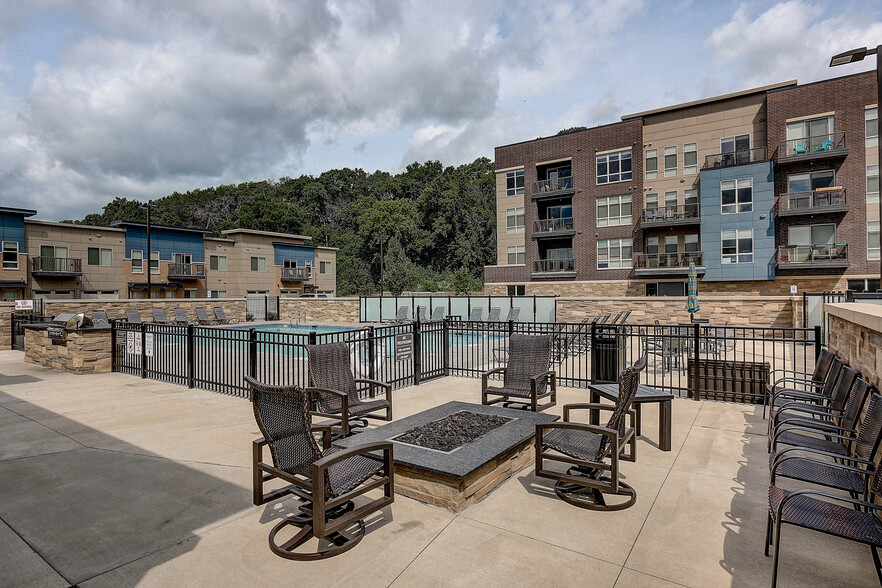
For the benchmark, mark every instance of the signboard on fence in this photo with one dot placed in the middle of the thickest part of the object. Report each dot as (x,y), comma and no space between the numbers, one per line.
(404,347)
(133,343)
(148,344)
(24,305)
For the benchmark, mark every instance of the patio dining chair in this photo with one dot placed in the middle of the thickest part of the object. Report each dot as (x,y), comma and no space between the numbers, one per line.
(814,379)
(592,451)
(813,392)
(334,390)
(325,479)
(203,318)
(221,316)
(527,378)
(133,316)
(159,316)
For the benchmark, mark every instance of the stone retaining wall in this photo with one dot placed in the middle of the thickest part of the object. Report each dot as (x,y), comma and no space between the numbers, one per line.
(116,307)
(82,352)
(855,335)
(327,310)
(6,309)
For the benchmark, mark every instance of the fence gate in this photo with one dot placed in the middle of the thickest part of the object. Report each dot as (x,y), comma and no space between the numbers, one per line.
(262,307)
(813,309)
(18,323)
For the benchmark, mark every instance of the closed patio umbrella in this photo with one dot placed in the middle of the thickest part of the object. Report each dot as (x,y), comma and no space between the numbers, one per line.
(692,292)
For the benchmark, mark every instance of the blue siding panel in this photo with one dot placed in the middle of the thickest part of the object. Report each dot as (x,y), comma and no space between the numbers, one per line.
(301,254)
(12,229)
(166,242)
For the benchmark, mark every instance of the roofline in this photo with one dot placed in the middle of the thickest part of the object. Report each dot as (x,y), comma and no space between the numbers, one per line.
(21,211)
(325,248)
(289,244)
(854,75)
(224,239)
(164,227)
(73,226)
(720,98)
(618,122)
(265,234)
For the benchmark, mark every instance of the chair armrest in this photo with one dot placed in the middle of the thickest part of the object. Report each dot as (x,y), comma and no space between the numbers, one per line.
(839,466)
(814,425)
(374,383)
(829,495)
(597,429)
(798,427)
(362,450)
(498,370)
(584,406)
(325,430)
(486,375)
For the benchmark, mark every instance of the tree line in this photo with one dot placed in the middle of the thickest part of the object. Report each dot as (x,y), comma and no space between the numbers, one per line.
(437,224)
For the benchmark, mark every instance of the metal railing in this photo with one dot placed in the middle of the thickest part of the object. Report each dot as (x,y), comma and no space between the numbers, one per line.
(296,273)
(812,253)
(680,259)
(186,270)
(553,185)
(554,265)
(58,265)
(552,225)
(671,213)
(812,200)
(735,157)
(810,146)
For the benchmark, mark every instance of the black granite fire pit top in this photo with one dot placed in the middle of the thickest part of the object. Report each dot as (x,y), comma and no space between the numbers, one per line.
(452,432)
(468,458)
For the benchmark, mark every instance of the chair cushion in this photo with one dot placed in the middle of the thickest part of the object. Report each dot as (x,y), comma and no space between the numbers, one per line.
(517,391)
(827,517)
(368,407)
(801,440)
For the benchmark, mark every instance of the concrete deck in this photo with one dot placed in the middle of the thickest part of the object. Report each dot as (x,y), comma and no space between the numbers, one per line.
(111,480)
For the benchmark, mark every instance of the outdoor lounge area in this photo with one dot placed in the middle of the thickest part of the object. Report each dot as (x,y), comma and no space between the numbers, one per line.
(151,485)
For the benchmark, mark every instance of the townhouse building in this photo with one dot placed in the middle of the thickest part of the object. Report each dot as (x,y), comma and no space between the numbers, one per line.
(761,190)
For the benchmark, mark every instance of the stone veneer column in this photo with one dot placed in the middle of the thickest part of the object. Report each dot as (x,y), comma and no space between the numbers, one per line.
(82,352)
(855,335)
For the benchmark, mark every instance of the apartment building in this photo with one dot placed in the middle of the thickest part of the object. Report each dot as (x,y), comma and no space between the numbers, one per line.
(53,260)
(750,187)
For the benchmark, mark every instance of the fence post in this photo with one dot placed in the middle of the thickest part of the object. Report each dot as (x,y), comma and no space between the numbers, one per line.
(817,341)
(695,355)
(510,327)
(252,352)
(372,354)
(594,352)
(445,345)
(112,345)
(417,355)
(143,351)
(191,356)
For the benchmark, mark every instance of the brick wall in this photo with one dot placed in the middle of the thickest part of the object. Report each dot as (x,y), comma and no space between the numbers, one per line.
(855,335)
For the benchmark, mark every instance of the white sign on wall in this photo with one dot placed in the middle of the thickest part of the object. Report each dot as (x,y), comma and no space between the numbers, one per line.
(793,289)
(148,344)
(24,305)
(133,343)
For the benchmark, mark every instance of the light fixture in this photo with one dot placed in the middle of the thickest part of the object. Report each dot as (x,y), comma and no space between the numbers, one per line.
(850,56)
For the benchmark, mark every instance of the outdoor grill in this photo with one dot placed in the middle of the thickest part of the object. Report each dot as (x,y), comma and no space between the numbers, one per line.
(68,321)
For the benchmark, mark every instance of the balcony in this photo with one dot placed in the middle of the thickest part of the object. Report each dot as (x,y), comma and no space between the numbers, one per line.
(667,264)
(554,268)
(829,256)
(554,227)
(820,201)
(56,267)
(186,271)
(553,188)
(735,158)
(671,216)
(296,274)
(812,148)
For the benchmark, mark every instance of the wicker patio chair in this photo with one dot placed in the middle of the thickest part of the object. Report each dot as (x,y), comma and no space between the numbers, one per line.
(335,393)
(133,316)
(325,479)
(848,518)
(221,316)
(159,316)
(181,317)
(203,318)
(812,380)
(527,378)
(592,451)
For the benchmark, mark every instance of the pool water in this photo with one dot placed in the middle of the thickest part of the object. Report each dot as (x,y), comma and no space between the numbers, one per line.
(295,329)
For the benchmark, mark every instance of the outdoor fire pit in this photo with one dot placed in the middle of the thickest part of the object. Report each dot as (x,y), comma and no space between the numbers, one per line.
(455,454)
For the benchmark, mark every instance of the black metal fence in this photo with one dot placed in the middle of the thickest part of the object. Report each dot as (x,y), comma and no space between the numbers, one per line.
(683,359)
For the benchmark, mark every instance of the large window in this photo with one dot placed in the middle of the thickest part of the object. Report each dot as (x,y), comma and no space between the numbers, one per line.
(614,210)
(217,294)
(516,254)
(137,261)
(735,144)
(806,136)
(671,203)
(737,246)
(670,161)
(666,288)
(690,242)
(614,167)
(324,267)
(872,184)
(514,220)
(651,202)
(217,263)
(99,256)
(651,166)
(258,264)
(54,251)
(873,240)
(737,195)
(863,285)
(871,126)
(514,182)
(690,159)
(614,253)
(10,254)
(690,201)
(810,181)
(812,235)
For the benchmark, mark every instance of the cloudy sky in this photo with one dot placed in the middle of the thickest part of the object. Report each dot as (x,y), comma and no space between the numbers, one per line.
(136,98)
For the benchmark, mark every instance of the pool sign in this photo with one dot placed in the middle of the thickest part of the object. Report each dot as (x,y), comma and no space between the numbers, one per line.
(24,305)
(148,344)
(403,347)
(133,343)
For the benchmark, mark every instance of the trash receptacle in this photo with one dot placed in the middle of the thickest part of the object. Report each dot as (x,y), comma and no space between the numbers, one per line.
(607,354)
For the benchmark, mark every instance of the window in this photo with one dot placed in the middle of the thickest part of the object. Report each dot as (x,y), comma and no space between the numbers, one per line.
(182,258)
(737,246)
(217,294)
(137,261)
(737,195)
(514,182)
(614,253)
(670,244)
(806,136)
(324,267)
(190,293)
(809,182)
(258,264)
(871,125)
(614,210)
(614,167)
(872,184)
(10,254)
(651,164)
(812,235)
(873,240)
(652,202)
(154,262)
(652,246)
(670,161)
(516,290)
(217,263)
(514,220)
(862,285)
(690,242)
(690,159)
(99,256)
(516,255)
(53,251)
(739,144)
(666,288)
(671,204)
(690,202)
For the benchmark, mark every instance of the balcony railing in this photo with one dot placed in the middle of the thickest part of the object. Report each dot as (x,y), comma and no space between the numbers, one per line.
(554,265)
(183,271)
(555,185)
(833,254)
(819,147)
(678,260)
(735,157)
(296,273)
(57,265)
(554,225)
(821,200)
(679,214)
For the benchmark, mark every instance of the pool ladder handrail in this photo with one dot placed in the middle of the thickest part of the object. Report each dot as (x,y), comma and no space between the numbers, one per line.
(299,315)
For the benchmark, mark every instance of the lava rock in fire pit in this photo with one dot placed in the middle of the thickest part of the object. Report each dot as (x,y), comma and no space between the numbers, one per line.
(452,432)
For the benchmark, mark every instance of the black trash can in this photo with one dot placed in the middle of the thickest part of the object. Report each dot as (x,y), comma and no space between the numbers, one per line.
(607,354)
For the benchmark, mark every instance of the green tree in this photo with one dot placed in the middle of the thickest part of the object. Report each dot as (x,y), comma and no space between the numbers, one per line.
(399,272)
(571,130)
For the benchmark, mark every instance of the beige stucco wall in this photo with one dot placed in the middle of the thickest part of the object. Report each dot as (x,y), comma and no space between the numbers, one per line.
(326,282)
(503,203)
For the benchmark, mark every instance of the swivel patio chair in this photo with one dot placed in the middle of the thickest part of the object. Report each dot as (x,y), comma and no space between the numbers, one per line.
(325,479)
(334,390)
(159,316)
(221,316)
(438,313)
(133,316)
(203,318)
(181,317)
(527,378)
(592,451)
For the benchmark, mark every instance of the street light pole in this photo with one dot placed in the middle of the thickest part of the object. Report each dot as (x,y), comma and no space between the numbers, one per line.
(851,57)
(148,206)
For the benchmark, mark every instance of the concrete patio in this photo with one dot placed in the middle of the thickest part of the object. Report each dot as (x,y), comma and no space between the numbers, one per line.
(110,480)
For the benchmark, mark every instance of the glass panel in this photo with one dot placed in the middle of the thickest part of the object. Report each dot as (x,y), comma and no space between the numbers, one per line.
(819,127)
(823,179)
(795,130)
(823,234)
(798,183)
(742,142)
(799,236)
(93,256)
(47,251)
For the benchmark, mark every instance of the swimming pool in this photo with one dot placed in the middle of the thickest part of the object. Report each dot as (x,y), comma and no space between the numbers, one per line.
(294,329)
